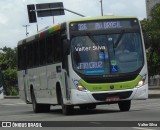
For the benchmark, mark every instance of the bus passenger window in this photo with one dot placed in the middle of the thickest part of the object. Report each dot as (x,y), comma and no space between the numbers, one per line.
(42,52)
(57,48)
(49,49)
(36,53)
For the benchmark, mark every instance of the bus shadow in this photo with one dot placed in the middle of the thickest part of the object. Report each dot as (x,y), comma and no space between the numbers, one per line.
(94,111)
(85,112)
(77,111)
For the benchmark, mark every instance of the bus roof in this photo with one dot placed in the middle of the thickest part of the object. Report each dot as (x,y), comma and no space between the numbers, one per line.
(101,18)
(59,26)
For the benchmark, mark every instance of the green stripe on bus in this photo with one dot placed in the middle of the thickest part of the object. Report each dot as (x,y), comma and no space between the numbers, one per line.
(109,86)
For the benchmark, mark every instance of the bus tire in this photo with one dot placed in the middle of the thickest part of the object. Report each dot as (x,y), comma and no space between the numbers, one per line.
(91,107)
(85,107)
(37,108)
(45,107)
(124,105)
(66,109)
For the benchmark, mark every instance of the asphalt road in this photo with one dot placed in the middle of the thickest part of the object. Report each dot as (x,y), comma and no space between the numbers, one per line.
(142,110)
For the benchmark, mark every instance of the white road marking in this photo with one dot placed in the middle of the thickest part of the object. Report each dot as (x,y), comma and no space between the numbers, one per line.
(9,104)
(140,128)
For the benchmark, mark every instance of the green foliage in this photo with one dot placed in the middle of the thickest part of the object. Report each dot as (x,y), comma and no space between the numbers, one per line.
(13,91)
(10,77)
(8,58)
(152,30)
(155,13)
(8,67)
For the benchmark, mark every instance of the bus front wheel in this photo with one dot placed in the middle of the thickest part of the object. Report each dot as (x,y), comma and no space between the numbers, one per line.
(124,105)
(66,109)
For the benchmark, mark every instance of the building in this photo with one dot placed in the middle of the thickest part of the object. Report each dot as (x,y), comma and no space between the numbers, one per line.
(149,5)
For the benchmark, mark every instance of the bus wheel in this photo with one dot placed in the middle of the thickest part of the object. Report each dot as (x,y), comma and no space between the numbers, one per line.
(45,107)
(92,107)
(36,107)
(83,107)
(124,105)
(66,109)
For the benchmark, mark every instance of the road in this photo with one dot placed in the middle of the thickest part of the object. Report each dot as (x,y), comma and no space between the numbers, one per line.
(142,110)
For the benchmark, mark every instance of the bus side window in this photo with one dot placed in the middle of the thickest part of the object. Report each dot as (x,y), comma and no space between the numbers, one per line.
(30,55)
(42,46)
(20,58)
(49,49)
(36,53)
(57,48)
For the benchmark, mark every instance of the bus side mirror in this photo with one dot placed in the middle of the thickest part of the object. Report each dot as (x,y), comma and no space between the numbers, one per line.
(66,47)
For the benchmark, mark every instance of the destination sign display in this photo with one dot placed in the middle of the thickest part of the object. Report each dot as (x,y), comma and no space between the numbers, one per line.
(104,25)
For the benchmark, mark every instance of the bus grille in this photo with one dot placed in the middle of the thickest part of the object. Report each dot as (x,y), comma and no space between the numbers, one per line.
(103,96)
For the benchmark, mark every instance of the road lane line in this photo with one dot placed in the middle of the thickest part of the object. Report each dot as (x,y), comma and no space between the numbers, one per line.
(139,128)
(97,123)
(13,104)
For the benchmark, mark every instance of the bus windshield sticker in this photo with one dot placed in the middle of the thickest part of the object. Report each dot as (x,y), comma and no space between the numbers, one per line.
(114,68)
(103,56)
(90,65)
(113,62)
(106,56)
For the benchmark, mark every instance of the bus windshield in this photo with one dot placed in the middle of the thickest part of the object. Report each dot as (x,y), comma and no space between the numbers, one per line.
(107,54)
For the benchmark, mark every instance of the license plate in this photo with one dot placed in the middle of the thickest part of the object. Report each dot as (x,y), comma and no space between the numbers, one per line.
(112,99)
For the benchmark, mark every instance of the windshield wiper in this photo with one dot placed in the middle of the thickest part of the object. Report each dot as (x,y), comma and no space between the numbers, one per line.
(92,38)
(119,38)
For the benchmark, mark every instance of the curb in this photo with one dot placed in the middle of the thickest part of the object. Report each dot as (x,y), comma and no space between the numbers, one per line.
(11,97)
(151,96)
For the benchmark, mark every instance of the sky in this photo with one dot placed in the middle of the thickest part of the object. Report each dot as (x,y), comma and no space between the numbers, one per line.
(13,15)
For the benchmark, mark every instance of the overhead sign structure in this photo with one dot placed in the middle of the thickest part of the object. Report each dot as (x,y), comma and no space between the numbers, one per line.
(44,10)
(49,9)
(31,13)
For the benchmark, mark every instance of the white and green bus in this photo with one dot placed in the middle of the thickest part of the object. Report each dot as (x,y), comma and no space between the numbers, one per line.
(85,62)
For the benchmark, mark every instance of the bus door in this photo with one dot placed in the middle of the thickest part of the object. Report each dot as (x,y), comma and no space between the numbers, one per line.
(65,67)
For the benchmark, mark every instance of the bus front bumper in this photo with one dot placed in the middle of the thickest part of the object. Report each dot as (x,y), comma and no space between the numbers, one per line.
(86,97)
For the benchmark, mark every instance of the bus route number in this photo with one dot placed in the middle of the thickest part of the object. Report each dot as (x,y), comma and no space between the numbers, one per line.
(82,27)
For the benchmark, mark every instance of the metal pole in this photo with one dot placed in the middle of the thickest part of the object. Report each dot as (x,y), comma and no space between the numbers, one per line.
(101,7)
(37,27)
(74,12)
(26,26)
(58,8)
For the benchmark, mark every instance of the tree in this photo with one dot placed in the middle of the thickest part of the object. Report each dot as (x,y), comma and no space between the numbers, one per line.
(152,30)
(8,66)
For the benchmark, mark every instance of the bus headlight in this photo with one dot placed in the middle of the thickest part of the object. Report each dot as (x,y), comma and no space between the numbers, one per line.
(140,83)
(81,87)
